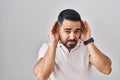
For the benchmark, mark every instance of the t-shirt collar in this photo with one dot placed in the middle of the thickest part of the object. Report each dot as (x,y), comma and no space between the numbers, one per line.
(77,45)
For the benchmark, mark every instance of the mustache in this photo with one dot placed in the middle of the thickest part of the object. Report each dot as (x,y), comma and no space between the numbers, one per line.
(72,40)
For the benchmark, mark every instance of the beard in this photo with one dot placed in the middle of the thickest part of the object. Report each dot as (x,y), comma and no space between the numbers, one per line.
(70,44)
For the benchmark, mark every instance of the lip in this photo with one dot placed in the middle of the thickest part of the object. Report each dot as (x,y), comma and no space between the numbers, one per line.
(71,42)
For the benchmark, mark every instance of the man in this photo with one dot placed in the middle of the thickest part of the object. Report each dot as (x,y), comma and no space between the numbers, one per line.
(71,51)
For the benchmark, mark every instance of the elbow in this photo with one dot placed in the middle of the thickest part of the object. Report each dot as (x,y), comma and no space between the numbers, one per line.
(107,71)
(35,71)
(107,68)
(39,75)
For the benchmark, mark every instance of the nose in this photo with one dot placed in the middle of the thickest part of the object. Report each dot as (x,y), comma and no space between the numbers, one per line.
(72,36)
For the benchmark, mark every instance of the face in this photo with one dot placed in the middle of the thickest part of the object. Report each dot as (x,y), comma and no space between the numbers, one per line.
(69,33)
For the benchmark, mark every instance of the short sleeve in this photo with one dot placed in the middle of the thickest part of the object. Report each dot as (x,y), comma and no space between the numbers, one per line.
(42,51)
(88,55)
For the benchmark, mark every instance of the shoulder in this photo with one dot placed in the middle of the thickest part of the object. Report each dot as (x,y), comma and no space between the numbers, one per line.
(42,50)
(45,45)
(84,48)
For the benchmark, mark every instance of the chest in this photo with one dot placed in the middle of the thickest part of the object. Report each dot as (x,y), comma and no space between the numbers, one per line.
(76,60)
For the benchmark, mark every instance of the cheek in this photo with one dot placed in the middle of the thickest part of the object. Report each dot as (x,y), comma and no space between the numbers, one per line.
(78,36)
(63,37)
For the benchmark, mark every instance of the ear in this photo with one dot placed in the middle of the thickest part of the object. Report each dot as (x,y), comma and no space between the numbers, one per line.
(82,27)
(59,39)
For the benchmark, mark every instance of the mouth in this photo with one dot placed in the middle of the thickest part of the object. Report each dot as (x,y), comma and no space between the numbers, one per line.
(71,42)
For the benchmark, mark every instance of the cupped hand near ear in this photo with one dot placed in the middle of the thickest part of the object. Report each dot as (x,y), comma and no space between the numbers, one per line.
(53,33)
(86,33)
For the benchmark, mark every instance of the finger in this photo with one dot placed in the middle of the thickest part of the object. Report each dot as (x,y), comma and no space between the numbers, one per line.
(54,27)
(84,28)
(87,26)
(55,30)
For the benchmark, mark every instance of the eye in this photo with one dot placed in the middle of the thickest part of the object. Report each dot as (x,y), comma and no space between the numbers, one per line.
(77,31)
(68,32)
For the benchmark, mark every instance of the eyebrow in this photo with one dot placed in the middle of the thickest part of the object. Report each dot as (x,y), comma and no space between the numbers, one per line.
(77,29)
(67,29)
(71,29)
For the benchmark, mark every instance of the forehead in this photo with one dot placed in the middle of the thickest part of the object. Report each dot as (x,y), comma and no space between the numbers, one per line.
(70,24)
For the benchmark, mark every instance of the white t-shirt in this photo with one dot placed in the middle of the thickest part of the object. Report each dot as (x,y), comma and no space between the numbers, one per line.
(73,65)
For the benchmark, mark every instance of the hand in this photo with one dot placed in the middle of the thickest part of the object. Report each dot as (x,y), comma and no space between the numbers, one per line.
(86,33)
(53,33)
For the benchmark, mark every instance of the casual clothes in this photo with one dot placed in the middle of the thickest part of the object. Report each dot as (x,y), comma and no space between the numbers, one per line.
(73,65)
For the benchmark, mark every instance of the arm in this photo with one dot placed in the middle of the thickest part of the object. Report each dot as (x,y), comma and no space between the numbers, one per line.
(97,58)
(44,66)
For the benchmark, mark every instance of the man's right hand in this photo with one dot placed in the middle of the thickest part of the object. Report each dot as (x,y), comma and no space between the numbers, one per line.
(45,65)
(53,33)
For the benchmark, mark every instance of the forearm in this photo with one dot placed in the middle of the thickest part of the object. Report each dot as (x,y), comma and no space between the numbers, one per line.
(98,59)
(46,64)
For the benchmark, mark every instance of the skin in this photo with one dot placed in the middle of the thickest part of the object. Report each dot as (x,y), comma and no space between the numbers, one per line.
(70,30)
(69,33)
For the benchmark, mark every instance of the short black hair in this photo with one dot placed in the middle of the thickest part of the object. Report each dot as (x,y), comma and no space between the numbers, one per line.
(68,14)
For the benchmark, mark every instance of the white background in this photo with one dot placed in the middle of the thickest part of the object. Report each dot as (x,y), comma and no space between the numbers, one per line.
(24,26)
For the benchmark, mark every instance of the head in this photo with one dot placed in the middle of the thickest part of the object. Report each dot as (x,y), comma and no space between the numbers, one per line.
(70,26)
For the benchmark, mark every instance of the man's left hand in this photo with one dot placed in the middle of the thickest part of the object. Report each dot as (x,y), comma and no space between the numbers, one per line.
(86,33)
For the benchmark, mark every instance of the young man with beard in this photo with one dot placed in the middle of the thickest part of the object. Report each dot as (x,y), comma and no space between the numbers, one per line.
(71,51)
